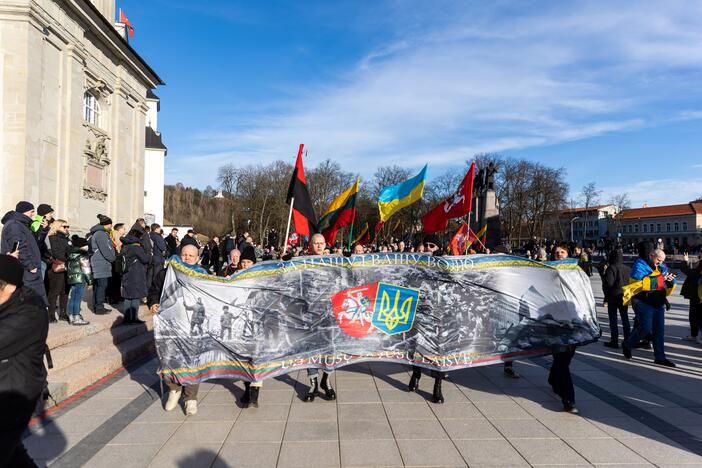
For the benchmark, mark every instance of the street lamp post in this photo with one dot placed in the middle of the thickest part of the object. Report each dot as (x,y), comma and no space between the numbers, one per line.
(572,239)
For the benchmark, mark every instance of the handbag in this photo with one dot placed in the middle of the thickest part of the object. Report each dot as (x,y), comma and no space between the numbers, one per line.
(58,266)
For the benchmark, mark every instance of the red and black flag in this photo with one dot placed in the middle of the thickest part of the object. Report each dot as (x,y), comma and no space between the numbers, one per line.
(303,212)
(123,19)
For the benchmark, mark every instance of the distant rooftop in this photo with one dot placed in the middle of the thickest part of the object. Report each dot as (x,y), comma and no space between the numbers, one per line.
(666,210)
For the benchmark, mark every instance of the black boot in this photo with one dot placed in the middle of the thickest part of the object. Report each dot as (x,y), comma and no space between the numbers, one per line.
(414,381)
(438,396)
(254,396)
(313,391)
(326,386)
(246,397)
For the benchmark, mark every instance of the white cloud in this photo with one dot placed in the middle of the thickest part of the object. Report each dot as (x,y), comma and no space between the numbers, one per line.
(657,192)
(440,91)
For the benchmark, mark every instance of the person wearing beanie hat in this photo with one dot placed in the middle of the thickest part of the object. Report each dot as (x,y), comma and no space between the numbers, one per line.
(23,329)
(41,221)
(251,389)
(104,255)
(248,258)
(16,232)
(432,244)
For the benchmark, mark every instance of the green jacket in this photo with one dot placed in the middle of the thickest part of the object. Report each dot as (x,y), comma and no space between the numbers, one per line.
(78,267)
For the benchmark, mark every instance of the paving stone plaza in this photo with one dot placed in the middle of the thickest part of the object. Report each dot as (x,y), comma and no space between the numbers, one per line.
(631,414)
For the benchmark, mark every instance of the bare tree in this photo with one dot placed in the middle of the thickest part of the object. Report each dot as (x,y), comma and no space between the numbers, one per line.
(620,202)
(590,196)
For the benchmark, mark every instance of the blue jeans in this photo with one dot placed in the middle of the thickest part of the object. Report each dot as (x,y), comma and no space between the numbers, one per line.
(99,288)
(651,320)
(131,308)
(76,295)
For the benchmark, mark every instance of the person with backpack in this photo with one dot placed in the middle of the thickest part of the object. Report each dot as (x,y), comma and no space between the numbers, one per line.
(134,287)
(78,275)
(616,276)
(101,259)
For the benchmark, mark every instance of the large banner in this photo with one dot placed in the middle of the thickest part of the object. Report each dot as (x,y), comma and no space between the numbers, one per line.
(442,313)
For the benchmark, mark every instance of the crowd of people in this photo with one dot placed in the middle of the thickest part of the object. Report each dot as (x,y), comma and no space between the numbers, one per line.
(44,273)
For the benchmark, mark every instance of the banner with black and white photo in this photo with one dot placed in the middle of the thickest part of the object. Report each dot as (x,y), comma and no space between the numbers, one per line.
(442,313)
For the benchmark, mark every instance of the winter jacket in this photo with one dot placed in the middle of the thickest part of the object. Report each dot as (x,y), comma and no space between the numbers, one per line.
(616,275)
(188,240)
(16,228)
(160,248)
(78,268)
(23,329)
(103,252)
(145,240)
(60,246)
(134,280)
(656,296)
(692,287)
(172,244)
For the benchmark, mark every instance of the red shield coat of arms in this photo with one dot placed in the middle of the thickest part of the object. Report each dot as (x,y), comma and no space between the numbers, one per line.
(353,309)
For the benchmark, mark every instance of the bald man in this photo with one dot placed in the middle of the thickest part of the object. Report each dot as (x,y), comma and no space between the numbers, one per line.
(189,255)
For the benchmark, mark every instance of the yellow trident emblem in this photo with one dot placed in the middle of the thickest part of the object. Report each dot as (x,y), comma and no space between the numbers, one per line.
(395,313)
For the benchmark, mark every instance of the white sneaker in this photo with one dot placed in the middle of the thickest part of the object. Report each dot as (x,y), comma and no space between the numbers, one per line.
(173,399)
(190,407)
(699,339)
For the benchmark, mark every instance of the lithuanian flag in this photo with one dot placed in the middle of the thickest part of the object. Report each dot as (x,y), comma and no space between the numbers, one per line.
(340,213)
(395,197)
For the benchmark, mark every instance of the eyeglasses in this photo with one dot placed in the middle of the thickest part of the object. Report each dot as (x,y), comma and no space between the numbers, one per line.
(65,227)
(429,245)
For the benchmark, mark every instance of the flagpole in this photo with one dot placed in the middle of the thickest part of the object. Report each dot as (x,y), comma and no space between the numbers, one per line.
(353,222)
(287,230)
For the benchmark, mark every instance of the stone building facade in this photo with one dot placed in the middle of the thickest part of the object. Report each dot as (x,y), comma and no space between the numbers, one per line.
(73,95)
(679,227)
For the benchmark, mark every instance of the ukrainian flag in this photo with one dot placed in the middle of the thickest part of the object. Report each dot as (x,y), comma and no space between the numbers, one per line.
(392,199)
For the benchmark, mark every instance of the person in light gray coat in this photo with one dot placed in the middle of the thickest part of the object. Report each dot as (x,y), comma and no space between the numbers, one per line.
(103,255)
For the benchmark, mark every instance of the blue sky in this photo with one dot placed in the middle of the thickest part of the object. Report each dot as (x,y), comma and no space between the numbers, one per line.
(614,95)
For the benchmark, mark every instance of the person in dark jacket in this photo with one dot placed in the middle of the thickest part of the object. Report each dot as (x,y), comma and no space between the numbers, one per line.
(692,291)
(23,330)
(101,260)
(172,243)
(215,260)
(59,245)
(189,239)
(649,305)
(189,257)
(144,231)
(134,287)
(159,252)
(16,229)
(615,277)
(40,226)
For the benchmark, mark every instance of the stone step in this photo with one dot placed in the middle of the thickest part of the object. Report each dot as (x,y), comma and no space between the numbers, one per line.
(87,346)
(66,381)
(62,333)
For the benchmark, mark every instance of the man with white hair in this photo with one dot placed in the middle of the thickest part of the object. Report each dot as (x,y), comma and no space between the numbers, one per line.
(189,255)
(317,247)
(232,265)
(650,304)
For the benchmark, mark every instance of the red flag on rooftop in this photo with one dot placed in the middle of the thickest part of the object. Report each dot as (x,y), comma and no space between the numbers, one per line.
(124,20)
(458,204)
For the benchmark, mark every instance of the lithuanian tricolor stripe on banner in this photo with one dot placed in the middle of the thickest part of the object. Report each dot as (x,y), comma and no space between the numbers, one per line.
(340,213)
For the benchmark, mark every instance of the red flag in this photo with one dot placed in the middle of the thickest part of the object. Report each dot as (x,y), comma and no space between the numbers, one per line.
(123,19)
(457,205)
(303,212)
(460,240)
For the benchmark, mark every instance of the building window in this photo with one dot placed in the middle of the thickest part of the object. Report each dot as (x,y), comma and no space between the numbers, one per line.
(636,228)
(91,109)
(684,224)
(658,227)
(667,227)
(676,227)
(645,228)
(651,227)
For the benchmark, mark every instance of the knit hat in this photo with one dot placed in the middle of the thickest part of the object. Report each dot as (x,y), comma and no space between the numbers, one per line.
(44,209)
(23,207)
(432,239)
(104,220)
(248,254)
(11,270)
(78,242)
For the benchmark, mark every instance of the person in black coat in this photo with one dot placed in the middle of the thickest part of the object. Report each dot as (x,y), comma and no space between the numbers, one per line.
(159,252)
(616,276)
(16,229)
(23,330)
(134,287)
(691,290)
(189,239)
(59,245)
